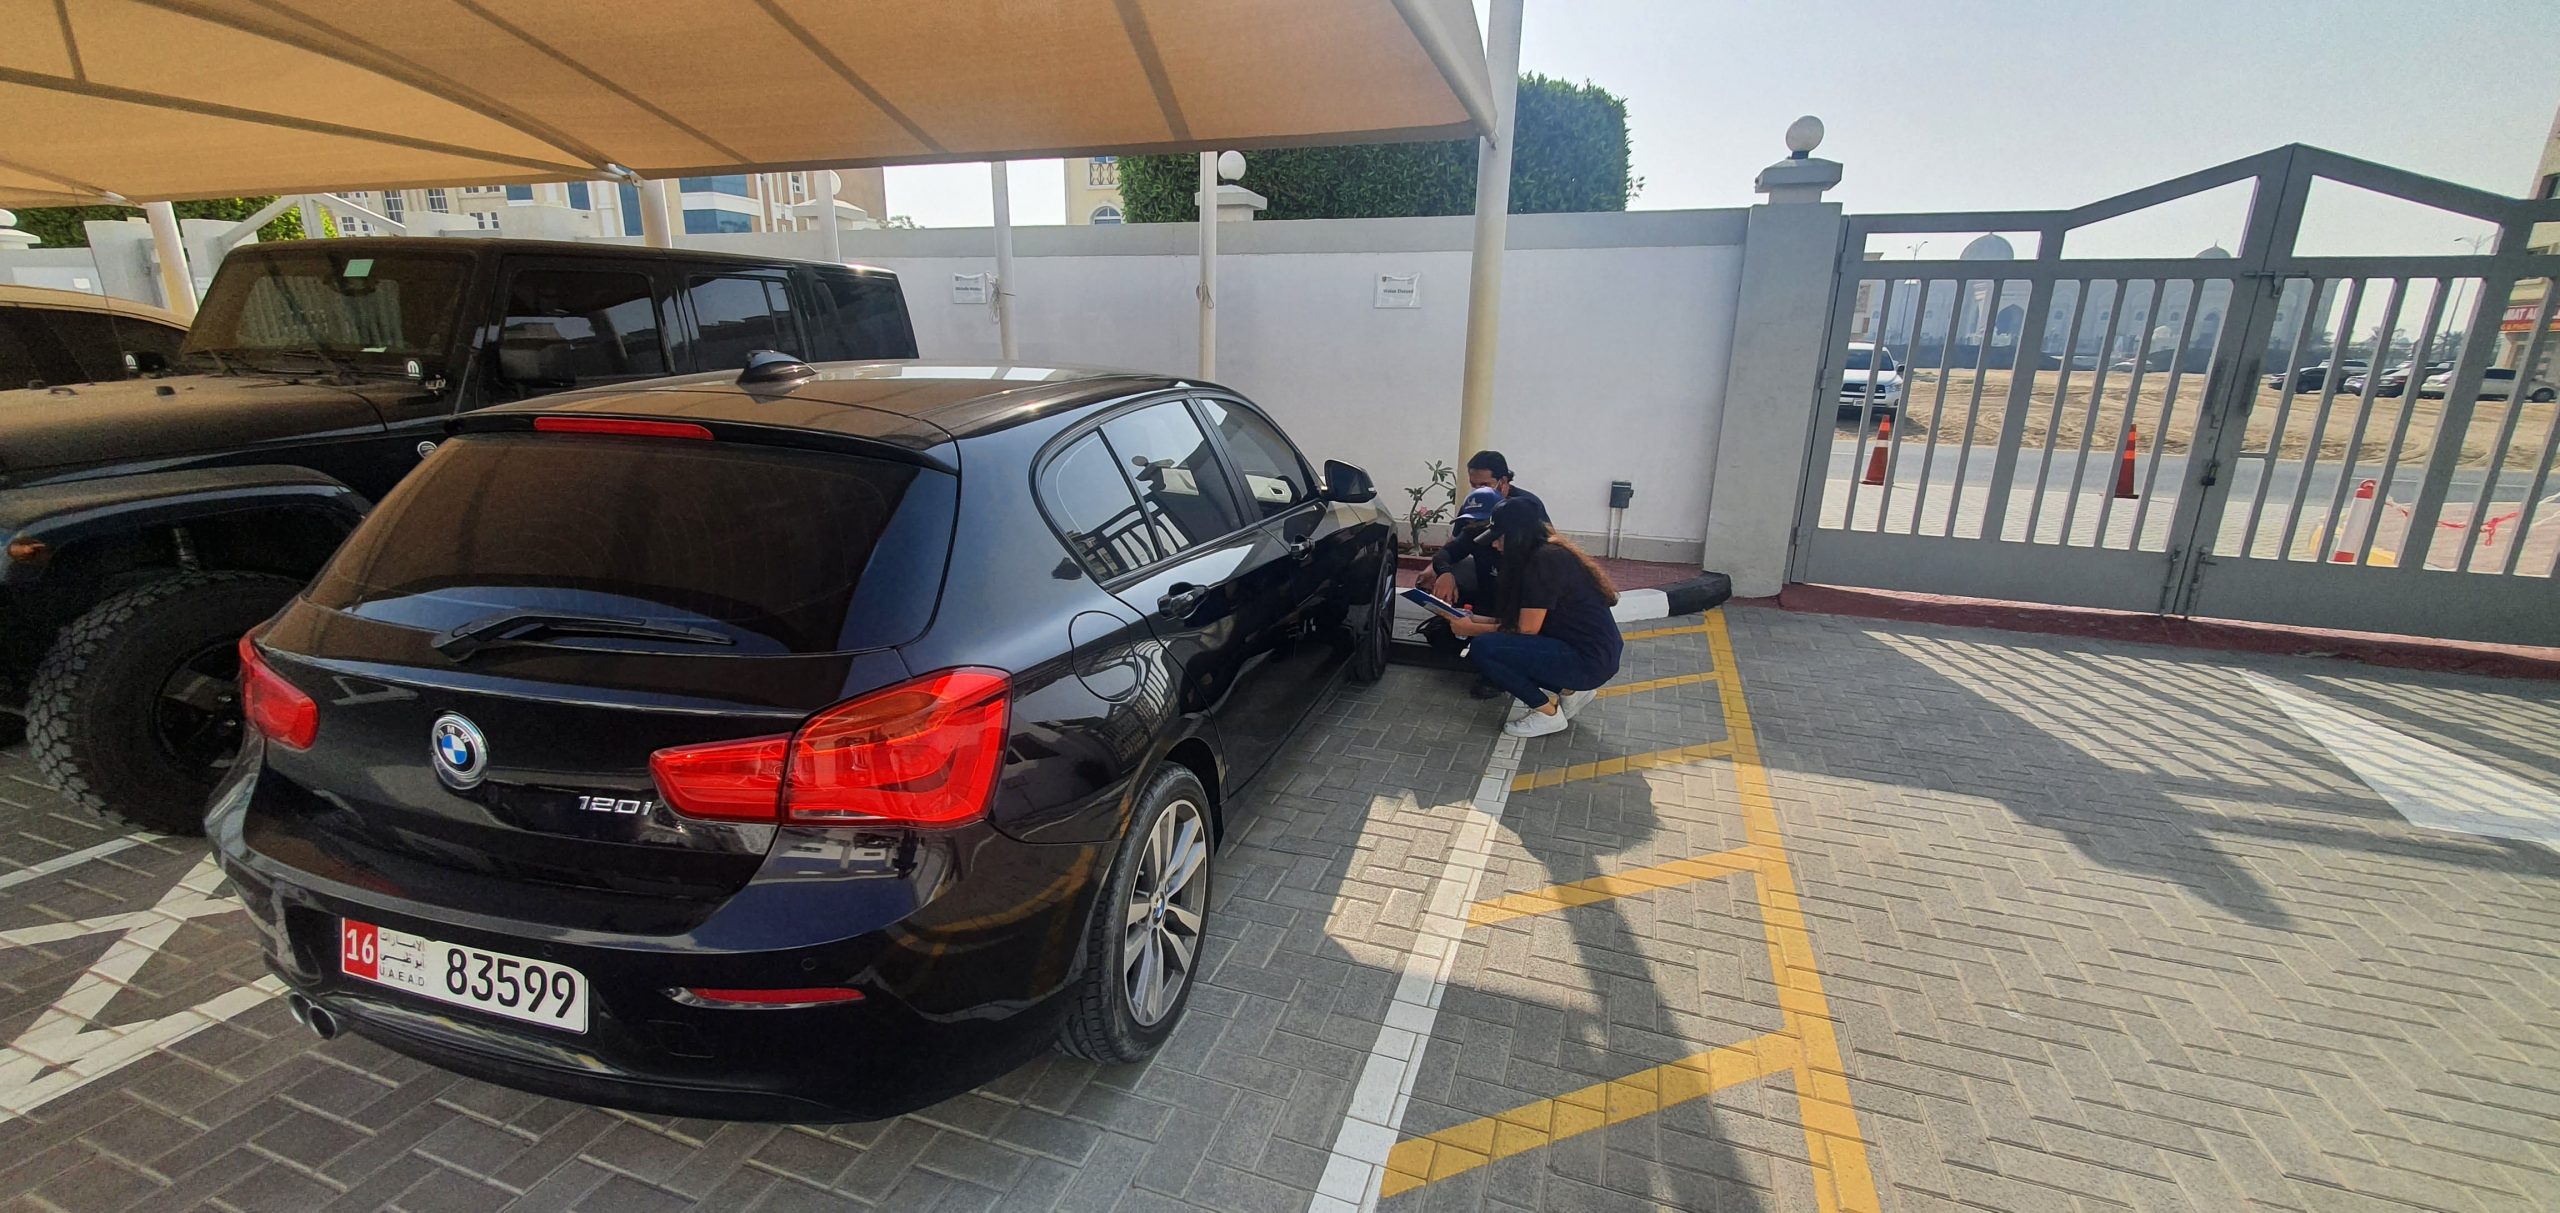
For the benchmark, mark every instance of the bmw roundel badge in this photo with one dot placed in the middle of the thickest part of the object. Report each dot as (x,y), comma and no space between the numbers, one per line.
(460,753)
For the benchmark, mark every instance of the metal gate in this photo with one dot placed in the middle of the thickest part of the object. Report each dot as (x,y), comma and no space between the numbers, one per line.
(2189,436)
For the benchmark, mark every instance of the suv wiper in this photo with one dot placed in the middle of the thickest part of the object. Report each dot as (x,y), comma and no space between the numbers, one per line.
(516,627)
(244,357)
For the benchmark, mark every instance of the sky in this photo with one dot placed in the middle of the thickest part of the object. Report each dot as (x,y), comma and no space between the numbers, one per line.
(1974,105)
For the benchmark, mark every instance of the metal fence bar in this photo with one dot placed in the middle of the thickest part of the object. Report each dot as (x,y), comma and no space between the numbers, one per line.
(2013,422)
(2169,410)
(2275,439)
(1866,407)
(2053,421)
(2507,432)
(2532,512)
(2356,449)
(2124,424)
(2311,451)
(2408,412)
(2097,399)
(1938,409)
(1893,446)
(2461,397)
(2331,381)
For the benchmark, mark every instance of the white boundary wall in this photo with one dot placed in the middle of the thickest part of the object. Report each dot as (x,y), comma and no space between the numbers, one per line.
(1616,331)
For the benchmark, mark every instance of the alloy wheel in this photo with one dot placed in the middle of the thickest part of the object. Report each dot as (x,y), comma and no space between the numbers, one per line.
(196,717)
(1165,912)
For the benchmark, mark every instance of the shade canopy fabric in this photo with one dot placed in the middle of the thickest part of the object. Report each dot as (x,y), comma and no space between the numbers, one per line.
(150,100)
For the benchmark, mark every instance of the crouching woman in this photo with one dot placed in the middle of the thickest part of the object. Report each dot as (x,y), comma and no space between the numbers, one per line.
(1551,641)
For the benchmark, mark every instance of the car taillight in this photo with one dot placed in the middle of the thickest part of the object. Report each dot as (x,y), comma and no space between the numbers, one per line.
(924,752)
(626,426)
(276,708)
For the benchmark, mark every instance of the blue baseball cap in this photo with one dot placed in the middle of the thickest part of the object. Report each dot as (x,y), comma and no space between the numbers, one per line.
(1478,506)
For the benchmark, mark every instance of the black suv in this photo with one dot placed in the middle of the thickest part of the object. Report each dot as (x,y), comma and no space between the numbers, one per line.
(149,522)
(814,744)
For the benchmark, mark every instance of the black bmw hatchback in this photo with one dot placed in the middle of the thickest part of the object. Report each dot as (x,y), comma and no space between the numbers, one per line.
(813,743)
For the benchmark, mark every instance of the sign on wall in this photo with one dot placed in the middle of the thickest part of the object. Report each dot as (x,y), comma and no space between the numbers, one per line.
(1399,290)
(970,288)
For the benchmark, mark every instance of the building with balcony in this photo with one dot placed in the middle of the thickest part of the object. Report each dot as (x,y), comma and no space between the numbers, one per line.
(1093,190)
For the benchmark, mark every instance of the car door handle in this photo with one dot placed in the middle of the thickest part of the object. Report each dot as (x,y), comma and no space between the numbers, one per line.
(1177,604)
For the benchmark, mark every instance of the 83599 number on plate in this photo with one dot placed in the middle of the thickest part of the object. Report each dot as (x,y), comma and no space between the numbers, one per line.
(534,991)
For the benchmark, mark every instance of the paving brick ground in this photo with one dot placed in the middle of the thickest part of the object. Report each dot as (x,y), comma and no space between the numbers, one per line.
(2099,927)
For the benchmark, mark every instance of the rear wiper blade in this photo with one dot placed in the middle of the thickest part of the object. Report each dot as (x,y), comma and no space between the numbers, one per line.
(513,627)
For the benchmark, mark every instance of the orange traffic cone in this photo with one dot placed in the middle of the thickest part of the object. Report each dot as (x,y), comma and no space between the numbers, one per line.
(2359,520)
(2124,470)
(1875,458)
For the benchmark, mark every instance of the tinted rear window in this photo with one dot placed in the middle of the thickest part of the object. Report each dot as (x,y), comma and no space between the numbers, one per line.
(784,551)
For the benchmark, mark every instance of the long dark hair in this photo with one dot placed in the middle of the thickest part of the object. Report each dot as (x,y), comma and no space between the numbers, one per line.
(1523,531)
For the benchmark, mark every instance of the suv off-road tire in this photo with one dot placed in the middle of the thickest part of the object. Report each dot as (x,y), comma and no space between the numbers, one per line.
(1100,1026)
(90,710)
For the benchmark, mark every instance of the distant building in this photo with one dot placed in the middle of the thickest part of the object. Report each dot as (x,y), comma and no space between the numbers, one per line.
(1983,319)
(737,202)
(1093,190)
(2516,326)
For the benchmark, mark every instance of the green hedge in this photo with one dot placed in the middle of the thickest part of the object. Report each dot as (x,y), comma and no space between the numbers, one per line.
(59,226)
(1572,156)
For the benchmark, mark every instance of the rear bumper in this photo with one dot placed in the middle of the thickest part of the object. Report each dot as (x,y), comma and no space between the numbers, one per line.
(958,986)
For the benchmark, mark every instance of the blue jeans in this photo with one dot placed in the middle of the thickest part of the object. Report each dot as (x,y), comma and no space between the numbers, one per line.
(1533,667)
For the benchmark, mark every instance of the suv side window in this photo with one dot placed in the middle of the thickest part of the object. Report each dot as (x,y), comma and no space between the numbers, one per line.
(1182,486)
(569,328)
(30,353)
(1275,478)
(1090,500)
(91,340)
(866,318)
(736,315)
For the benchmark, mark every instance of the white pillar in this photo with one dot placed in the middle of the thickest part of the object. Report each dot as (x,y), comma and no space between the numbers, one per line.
(1002,184)
(312,227)
(1493,225)
(1208,265)
(177,286)
(1776,415)
(598,194)
(831,234)
(657,223)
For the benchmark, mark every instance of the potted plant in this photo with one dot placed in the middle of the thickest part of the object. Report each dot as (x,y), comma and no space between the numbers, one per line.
(1444,483)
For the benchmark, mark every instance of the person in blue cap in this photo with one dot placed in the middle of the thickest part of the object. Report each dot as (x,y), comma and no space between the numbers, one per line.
(1462,572)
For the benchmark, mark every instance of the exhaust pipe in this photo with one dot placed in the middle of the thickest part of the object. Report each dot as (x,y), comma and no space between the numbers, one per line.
(312,1015)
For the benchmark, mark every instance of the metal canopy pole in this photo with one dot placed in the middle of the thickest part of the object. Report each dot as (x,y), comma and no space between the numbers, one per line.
(312,227)
(831,233)
(1208,265)
(1002,183)
(177,286)
(656,224)
(1493,221)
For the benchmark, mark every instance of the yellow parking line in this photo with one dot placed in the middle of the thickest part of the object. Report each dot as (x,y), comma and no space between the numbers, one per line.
(1842,1178)
(1629,883)
(1689,629)
(1416,1161)
(1617,766)
(1655,684)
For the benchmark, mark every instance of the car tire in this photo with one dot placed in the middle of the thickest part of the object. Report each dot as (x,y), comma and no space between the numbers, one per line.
(105,703)
(1369,648)
(1106,1023)
(2543,395)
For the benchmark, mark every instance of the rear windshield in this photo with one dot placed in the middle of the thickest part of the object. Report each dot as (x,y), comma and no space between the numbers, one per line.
(782,551)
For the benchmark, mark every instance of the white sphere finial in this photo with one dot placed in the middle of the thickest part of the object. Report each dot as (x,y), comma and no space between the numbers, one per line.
(1803,135)
(1230,165)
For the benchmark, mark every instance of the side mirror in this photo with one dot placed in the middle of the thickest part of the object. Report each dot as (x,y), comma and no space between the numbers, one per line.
(1343,482)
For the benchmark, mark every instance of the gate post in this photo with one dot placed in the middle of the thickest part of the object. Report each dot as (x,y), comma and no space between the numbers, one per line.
(1790,259)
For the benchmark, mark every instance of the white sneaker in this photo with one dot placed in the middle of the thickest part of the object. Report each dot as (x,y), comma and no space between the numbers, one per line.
(1519,709)
(1536,724)
(1574,701)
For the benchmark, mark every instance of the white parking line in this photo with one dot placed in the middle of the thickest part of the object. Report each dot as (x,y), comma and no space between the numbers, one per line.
(72,860)
(1370,1124)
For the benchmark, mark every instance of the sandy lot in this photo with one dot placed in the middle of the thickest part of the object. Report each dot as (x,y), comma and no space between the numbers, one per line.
(2336,432)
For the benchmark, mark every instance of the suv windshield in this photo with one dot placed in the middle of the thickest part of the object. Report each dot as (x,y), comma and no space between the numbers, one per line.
(358,307)
(1859,355)
(761,550)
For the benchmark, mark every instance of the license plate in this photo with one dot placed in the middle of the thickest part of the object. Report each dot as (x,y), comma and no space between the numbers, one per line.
(532,991)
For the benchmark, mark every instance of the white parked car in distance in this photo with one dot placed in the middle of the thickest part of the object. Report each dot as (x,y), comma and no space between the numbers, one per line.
(2496,383)
(1872,376)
